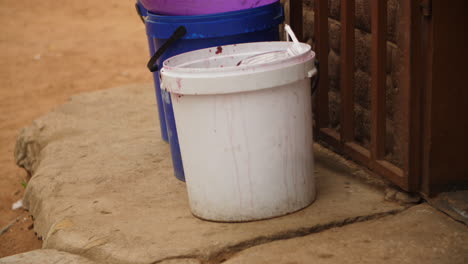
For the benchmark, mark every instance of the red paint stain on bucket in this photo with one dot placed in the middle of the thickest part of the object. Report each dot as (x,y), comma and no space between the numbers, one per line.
(177,97)
(219,50)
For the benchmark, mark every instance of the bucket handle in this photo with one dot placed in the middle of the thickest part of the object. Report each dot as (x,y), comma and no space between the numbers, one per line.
(316,80)
(139,13)
(178,33)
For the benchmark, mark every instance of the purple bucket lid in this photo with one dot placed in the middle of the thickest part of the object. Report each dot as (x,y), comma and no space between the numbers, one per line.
(200,7)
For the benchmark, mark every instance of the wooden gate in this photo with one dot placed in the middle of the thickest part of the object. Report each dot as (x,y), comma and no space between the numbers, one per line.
(407,173)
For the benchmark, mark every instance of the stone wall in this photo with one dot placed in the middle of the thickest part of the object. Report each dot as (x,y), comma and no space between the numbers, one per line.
(362,75)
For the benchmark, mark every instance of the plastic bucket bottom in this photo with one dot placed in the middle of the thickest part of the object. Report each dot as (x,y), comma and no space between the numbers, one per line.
(253,25)
(245,131)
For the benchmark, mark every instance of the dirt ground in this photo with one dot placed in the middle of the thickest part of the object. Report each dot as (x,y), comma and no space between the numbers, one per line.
(51,50)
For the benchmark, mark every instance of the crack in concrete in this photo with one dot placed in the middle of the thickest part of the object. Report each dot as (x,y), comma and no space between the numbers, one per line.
(9,225)
(194,257)
(228,252)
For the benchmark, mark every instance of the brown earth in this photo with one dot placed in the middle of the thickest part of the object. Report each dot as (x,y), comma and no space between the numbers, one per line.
(51,50)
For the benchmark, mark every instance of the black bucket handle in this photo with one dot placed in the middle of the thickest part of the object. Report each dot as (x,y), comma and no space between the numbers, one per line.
(139,13)
(178,33)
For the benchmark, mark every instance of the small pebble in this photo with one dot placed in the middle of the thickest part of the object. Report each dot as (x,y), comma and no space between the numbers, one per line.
(17,205)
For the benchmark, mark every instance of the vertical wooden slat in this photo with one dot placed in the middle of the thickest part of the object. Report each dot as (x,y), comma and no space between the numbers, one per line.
(296,17)
(347,70)
(405,80)
(321,37)
(378,83)
(426,77)
(413,62)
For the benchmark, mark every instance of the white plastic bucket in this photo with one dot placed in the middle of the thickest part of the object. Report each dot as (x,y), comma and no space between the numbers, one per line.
(245,130)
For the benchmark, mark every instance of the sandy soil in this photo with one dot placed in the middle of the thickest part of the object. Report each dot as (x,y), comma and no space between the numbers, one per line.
(51,50)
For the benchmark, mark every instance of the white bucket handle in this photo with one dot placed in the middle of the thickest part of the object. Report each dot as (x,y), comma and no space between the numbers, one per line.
(290,34)
(312,72)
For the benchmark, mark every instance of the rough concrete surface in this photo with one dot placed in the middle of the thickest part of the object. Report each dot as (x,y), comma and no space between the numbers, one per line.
(453,203)
(420,234)
(45,256)
(102,187)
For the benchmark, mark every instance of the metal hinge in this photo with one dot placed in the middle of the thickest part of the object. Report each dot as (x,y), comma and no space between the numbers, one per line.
(426,7)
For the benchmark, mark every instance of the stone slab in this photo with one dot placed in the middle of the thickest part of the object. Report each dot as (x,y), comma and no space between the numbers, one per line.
(420,234)
(453,203)
(45,256)
(103,187)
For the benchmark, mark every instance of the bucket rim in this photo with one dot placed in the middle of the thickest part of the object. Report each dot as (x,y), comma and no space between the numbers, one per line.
(161,18)
(216,25)
(200,7)
(216,79)
(179,64)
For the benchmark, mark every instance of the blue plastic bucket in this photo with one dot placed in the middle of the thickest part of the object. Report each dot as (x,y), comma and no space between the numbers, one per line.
(143,13)
(203,31)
